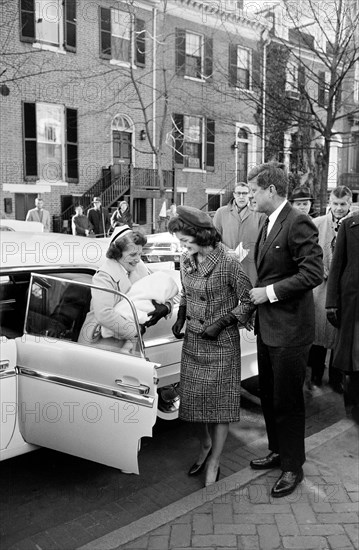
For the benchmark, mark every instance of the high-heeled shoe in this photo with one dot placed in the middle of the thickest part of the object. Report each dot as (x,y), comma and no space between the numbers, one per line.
(196,468)
(207,483)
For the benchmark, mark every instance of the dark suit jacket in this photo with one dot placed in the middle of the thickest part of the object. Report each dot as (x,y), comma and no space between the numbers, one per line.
(291,260)
(343,293)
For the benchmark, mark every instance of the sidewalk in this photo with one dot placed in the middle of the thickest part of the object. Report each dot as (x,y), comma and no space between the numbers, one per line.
(238,512)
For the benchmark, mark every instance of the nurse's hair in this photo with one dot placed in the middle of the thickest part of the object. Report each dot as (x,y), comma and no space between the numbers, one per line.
(118,246)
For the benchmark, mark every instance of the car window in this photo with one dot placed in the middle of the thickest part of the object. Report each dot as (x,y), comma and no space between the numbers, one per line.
(60,308)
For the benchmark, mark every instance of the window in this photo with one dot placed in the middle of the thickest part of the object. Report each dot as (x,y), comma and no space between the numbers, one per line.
(194,53)
(240,67)
(122,39)
(292,79)
(213,202)
(50,142)
(356,82)
(49,23)
(194,141)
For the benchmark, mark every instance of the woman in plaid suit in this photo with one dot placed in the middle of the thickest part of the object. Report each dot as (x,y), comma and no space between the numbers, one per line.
(215,302)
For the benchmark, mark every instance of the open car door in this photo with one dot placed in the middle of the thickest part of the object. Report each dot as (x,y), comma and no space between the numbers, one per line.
(84,400)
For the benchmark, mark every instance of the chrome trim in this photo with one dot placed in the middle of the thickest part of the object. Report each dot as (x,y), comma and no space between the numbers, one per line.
(7,371)
(141,389)
(143,400)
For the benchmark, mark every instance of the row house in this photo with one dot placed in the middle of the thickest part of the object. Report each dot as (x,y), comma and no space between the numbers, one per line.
(299,86)
(146,101)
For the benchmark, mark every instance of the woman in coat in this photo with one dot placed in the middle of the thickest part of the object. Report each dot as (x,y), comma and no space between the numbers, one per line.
(121,216)
(104,325)
(215,302)
(342,306)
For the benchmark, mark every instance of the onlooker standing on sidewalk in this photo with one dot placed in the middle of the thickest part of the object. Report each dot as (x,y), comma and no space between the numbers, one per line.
(39,214)
(342,305)
(301,198)
(237,223)
(99,218)
(215,300)
(289,265)
(121,216)
(325,334)
(80,223)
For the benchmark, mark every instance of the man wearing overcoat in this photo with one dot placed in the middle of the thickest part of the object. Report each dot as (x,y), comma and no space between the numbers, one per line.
(289,265)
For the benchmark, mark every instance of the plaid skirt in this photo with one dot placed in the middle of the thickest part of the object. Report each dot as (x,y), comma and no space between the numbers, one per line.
(210,378)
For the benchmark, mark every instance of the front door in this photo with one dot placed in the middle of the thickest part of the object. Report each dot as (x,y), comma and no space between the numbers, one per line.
(122,147)
(86,400)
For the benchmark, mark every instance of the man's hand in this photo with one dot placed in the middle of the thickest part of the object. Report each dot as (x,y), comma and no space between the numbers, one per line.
(333,317)
(258,296)
(160,311)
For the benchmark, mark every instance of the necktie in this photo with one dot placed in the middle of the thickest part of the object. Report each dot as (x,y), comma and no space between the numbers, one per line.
(263,235)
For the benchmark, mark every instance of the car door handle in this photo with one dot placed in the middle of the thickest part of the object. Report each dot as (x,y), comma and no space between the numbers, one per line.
(141,389)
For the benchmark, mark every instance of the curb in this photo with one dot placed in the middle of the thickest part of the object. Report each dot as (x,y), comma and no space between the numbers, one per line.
(185,505)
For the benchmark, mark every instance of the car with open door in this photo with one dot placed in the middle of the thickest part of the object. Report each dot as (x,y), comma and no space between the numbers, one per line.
(97,401)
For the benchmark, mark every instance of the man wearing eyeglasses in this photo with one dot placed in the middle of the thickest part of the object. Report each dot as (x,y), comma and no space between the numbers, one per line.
(237,223)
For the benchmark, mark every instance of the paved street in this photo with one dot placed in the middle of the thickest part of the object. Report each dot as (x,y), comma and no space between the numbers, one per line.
(53,501)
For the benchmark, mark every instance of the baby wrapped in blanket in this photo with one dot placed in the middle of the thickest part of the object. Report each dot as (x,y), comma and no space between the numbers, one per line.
(161,286)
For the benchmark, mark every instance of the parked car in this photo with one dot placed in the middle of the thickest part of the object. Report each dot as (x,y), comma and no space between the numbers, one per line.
(19,225)
(162,247)
(92,402)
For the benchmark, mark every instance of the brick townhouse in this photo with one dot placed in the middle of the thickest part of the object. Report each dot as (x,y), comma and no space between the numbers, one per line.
(146,101)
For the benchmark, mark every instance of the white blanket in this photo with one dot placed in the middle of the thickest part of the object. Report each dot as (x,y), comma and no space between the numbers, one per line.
(160,286)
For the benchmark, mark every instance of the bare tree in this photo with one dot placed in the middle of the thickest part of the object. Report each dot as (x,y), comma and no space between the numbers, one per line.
(309,81)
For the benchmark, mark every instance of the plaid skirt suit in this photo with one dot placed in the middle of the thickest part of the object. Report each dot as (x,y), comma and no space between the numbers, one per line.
(211,370)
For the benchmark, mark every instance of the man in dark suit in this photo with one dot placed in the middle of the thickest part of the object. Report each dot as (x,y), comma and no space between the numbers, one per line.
(289,265)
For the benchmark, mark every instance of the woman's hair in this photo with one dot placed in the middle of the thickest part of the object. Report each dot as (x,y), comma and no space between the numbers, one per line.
(203,236)
(116,249)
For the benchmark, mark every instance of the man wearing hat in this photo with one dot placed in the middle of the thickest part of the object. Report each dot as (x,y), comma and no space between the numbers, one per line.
(99,218)
(289,265)
(302,199)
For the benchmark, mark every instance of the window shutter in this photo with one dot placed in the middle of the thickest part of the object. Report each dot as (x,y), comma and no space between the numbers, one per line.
(70,25)
(210,143)
(180,51)
(232,68)
(140,43)
(338,94)
(256,70)
(105,33)
(321,89)
(208,57)
(71,145)
(27,20)
(30,142)
(178,134)
(301,79)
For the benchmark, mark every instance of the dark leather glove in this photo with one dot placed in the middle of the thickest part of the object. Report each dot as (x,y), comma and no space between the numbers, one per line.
(333,317)
(161,310)
(212,332)
(181,319)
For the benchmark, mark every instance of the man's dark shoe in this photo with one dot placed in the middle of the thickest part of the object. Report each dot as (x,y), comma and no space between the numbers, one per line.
(270,461)
(286,483)
(337,387)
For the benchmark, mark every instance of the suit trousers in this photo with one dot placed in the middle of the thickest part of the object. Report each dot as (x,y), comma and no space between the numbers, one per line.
(281,378)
